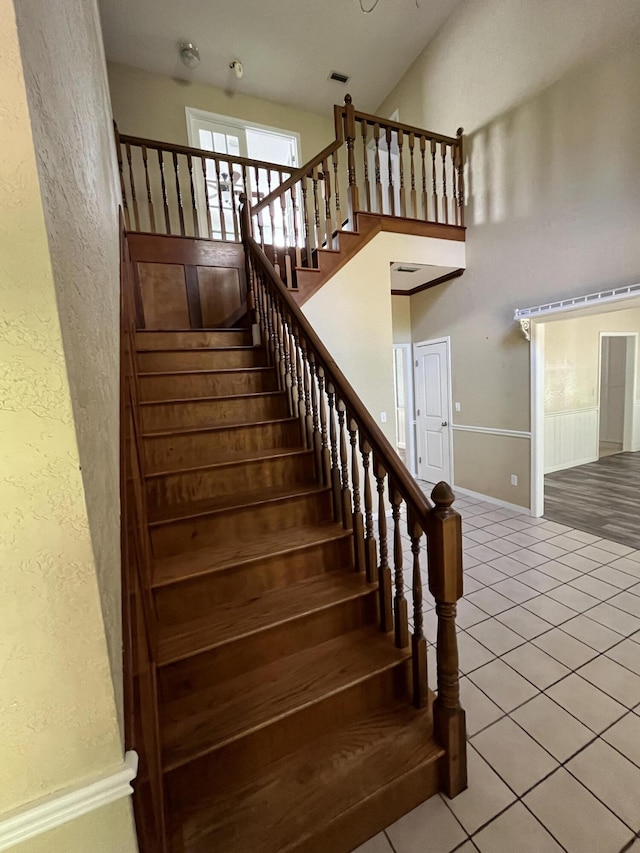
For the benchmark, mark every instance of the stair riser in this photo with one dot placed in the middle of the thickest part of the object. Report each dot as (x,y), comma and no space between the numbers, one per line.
(174,489)
(220,528)
(190,340)
(149,362)
(181,386)
(235,410)
(194,598)
(264,647)
(175,452)
(230,765)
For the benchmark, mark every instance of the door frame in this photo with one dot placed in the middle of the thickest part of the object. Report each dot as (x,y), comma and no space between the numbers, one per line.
(630,380)
(410,408)
(446,340)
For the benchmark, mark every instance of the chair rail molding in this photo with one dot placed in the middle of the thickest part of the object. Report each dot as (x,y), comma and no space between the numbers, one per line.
(59,808)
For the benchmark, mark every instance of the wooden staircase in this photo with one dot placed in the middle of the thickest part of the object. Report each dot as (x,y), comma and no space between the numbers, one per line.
(285,715)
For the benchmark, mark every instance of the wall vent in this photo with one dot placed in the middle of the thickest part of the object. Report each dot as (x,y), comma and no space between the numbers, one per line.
(405,269)
(338,77)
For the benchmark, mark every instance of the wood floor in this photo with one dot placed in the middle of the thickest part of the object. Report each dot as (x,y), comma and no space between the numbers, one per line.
(602,498)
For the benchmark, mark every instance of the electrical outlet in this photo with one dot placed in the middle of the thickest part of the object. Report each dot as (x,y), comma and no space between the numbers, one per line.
(457,407)
(383,417)
(514,479)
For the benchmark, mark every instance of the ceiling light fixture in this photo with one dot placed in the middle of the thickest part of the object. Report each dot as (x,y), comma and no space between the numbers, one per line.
(238,68)
(189,54)
(371,8)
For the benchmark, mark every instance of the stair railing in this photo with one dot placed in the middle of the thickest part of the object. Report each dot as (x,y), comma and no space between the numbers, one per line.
(336,425)
(374,165)
(189,192)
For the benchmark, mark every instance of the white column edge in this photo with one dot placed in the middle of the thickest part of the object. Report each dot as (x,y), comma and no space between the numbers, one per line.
(60,809)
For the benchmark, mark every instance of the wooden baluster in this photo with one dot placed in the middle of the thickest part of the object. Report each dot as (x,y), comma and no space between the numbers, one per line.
(336,183)
(445,201)
(317,238)
(399,600)
(384,571)
(207,205)
(414,198)
(425,205)
(296,233)
(123,189)
(279,354)
(335,470)
(418,641)
(308,261)
(392,195)
(434,180)
(308,413)
(460,169)
(350,136)
(256,179)
(370,557)
(347,520)
(454,187)
(325,457)
(376,140)
(317,437)
(176,173)
(234,204)
(301,397)
(163,183)
(365,164)
(328,225)
(288,368)
(152,217)
(271,208)
(271,338)
(132,184)
(223,223)
(287,272)
(194,204)
(403,197)
(444,548)
(358,520)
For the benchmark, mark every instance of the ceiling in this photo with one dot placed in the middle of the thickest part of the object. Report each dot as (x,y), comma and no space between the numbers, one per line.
(288,47)
(405,276)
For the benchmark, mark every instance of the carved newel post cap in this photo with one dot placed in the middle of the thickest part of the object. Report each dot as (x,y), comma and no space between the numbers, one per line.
(460,131)
(347,99)
(242,198)
(442,495)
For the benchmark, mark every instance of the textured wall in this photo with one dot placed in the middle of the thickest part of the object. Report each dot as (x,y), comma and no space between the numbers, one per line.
(549,97)
(65,76)
(58,721)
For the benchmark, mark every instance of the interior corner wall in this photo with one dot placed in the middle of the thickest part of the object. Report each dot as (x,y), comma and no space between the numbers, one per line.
(58,720)
(549,98)
(66,83)
(401,319)
(153,106)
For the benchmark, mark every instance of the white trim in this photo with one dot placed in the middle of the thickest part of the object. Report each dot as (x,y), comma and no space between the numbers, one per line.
(62,808)
(505,504)
(536,355)
(631,356)
(445,339)
(572,412)
(514,433)
(410,409)
(589,301)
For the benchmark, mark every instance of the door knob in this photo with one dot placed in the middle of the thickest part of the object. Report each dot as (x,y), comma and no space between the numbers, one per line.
(444,423)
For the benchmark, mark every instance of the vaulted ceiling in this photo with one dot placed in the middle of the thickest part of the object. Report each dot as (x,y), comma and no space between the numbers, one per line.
(288,47)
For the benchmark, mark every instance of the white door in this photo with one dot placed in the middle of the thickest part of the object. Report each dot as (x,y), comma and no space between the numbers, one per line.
(432,411)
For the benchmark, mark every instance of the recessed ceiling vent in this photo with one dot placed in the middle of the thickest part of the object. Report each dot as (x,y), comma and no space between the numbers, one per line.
(401,268)
(338,77)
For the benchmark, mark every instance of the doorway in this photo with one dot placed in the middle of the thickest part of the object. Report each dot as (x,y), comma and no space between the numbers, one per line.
(432,362)
(617,353)
(403,395)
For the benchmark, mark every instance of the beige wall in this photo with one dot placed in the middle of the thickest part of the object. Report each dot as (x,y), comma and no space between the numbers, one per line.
(105,830)
(153,106)
(401,319)
(549,96)
(58,720)
(572,358)
(65,75)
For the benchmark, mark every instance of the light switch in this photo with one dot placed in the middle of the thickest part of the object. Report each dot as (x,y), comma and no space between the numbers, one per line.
(383,417)
(457,407)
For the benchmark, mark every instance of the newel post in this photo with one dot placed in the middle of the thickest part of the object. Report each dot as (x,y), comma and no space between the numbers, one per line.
(460,175)
(252,298)
(444,547)
(350,137)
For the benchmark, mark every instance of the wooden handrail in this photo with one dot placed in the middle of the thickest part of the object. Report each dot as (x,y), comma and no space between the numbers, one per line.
(405,128)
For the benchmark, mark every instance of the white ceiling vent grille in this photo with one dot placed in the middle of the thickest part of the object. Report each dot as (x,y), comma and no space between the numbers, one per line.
(339,77)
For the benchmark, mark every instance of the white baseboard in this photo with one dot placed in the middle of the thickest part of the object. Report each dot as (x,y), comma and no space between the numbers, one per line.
(479,496)
(57,809)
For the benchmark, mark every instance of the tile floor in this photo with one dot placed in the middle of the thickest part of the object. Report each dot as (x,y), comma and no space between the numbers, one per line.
(549,641)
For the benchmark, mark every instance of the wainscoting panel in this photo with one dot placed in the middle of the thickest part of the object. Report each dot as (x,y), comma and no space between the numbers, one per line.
(570,438)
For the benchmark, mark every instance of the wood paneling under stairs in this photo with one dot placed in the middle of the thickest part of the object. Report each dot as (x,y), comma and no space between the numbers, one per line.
(602,498)
(284,713)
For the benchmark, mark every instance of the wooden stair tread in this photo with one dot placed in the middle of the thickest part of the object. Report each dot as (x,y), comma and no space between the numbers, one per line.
(236,619)
(313,787)
(222,425)
(248,702)
(225,503)
(250,456)
(220,398)
(203,371)
(232,348)
(193,564)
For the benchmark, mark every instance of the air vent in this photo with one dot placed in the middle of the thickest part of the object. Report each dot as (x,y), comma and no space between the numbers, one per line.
(338,77)
(406,269)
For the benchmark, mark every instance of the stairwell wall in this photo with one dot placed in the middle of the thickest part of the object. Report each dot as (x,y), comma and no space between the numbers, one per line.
(549,97)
